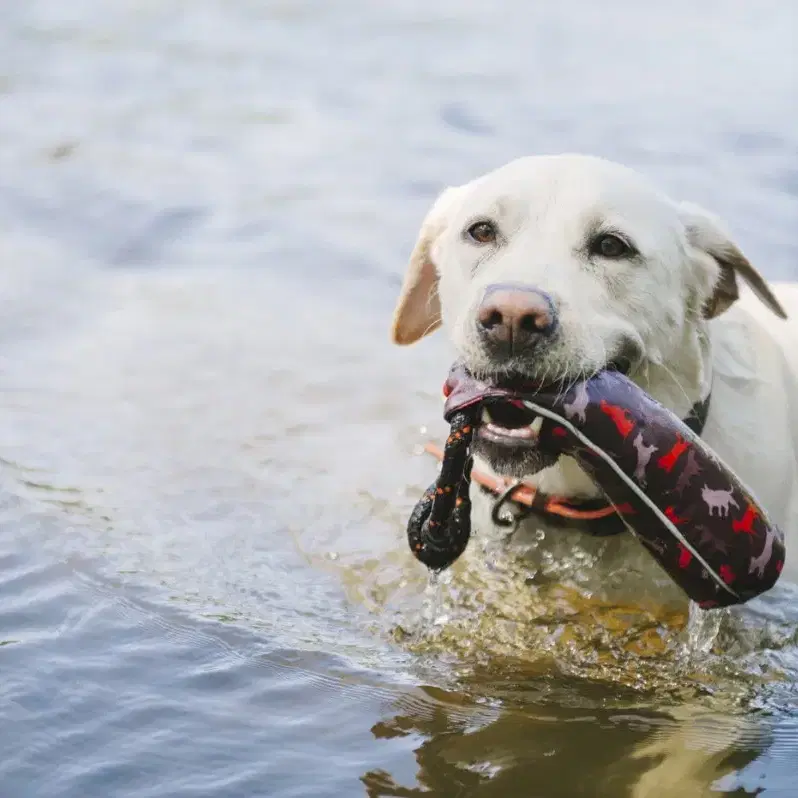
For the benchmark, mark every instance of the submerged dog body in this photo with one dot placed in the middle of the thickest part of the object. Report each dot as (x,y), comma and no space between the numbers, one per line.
(554,268)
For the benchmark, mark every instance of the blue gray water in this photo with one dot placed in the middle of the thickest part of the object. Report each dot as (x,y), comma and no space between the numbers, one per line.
(208,447)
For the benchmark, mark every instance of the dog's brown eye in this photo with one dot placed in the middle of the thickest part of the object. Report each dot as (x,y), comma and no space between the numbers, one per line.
(610,246)
(482,232)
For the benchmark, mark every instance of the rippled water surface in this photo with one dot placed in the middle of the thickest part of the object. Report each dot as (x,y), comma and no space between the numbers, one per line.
(208,448)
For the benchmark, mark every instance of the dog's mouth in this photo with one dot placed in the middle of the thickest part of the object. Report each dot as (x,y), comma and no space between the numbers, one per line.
(509,423)
(507,429)
(508,438)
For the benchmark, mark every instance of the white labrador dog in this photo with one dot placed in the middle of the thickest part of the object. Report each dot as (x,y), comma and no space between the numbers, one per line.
(622,276)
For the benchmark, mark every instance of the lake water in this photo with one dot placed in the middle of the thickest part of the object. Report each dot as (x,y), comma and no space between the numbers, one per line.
(208,448)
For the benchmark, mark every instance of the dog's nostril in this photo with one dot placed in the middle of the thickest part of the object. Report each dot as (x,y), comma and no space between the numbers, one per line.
(531,323)
(492,319)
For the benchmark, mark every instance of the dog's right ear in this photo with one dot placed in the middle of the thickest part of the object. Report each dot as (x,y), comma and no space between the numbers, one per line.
(418,309)
(706,235)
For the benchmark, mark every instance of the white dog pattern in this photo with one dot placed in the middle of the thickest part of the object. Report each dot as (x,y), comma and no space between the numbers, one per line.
(576,408)
(718,500)
(643,457)
(759,563)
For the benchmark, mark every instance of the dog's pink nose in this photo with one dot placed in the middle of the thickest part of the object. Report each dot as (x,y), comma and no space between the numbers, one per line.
(515,316)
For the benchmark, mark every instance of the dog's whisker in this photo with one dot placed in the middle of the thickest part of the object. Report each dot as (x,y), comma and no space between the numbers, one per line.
(676,381)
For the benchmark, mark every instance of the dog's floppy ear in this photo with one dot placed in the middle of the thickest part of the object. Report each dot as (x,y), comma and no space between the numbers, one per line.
(708,238)
(418,309)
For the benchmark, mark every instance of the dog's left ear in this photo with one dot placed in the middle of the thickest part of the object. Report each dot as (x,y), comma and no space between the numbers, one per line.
(418,308)
(709,240)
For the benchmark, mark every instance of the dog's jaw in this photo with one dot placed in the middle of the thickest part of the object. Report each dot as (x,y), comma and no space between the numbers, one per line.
(564,478)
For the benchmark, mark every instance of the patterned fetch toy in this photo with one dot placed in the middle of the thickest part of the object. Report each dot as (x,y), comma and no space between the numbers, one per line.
(692,514)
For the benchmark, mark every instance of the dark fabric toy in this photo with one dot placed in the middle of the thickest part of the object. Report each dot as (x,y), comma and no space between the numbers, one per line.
(693,515)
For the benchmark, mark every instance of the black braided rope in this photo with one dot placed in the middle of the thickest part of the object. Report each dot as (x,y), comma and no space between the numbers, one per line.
(440,524)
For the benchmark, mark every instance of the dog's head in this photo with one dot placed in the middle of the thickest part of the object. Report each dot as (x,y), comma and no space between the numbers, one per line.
(552,268)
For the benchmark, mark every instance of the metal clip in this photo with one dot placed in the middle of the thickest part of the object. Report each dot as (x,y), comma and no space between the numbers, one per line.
(515,518)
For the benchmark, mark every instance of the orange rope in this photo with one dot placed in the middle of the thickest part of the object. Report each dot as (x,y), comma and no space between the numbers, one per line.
(525,493)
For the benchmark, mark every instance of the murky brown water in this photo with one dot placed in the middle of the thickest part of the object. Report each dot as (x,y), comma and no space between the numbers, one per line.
(209,448)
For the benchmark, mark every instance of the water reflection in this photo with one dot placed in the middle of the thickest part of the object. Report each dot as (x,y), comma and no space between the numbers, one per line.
(576,747)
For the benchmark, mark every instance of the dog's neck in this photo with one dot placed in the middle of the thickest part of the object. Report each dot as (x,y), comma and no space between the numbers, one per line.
(678,383)
(683,378)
